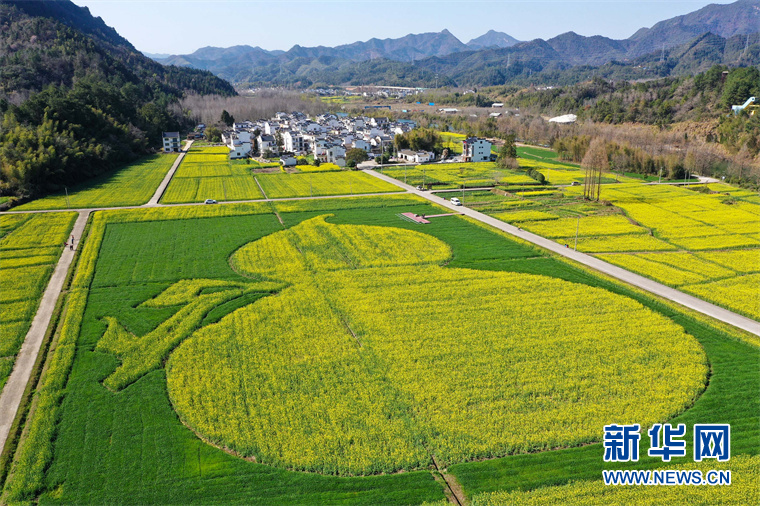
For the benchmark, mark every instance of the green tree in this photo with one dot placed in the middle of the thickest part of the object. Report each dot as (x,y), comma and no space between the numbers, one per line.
(355,156)
(741,84)
(227,118)
(213,134)
(401,142)
(508,151)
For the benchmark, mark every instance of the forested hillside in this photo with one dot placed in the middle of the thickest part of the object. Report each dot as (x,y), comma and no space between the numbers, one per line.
(663,101)
(77,99)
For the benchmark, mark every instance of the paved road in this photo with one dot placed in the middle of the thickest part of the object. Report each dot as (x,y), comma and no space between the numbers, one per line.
(169,175)
(22,369)
(647,284)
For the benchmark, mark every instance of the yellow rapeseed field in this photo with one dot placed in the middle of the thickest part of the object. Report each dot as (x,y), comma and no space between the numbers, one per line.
(30,245)
(745,474)
(739,293)
(374,357)
(586,226)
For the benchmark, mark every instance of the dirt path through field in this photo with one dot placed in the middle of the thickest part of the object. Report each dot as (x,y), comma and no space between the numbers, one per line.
(259,185)
(452,488)
(22,369)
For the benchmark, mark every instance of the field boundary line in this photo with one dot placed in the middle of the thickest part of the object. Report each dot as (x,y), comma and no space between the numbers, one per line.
(455,495)
(169,175)
(224,202)
(13,392)
(260,188)
(689,301)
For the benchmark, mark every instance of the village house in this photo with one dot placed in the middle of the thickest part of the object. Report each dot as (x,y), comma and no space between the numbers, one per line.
(361,144)
(267,143)
(292,142)
(171,142)
(476,150)
(415,156)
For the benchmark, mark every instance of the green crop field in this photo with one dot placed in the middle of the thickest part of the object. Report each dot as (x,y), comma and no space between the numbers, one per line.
(536,153)
(30,245)
(317,184)
(216,353)
(132,185)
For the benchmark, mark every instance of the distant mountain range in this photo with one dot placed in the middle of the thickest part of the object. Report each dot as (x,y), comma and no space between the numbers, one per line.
(493,58)
(492,38)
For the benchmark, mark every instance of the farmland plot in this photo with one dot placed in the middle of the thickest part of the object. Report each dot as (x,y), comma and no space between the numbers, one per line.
(377,389)
(29,249)
(132,185)
(376,314)
(320,184)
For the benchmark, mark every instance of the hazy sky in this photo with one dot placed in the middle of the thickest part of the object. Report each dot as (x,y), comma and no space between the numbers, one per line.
(181,27)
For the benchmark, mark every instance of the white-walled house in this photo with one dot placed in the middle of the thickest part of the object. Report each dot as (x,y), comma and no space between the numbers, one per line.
(171,142)
(416,156)
(362,144)
(380,142)
(476,150)
(319,149)
(240,149)
(267,143)
(292,141)
(334,153)
(314,128)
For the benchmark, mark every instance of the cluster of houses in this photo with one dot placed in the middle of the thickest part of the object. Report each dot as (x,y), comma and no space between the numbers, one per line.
(326,137)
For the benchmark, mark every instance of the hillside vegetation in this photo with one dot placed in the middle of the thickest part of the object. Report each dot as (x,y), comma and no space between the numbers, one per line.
(77,99)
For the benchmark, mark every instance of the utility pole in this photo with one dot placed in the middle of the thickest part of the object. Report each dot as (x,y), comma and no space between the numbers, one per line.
(68,206)
(577,227)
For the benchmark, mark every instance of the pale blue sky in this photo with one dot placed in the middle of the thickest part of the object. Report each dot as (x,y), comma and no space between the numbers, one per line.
(182,26)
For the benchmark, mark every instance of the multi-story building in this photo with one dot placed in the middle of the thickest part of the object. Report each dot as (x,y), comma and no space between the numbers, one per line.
(171,142)
(476,150)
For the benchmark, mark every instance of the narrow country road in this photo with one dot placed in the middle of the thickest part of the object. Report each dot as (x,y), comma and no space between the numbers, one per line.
(647,284)
(27,356)
(169,175)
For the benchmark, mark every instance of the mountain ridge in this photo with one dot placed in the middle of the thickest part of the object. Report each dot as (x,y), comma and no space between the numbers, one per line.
(435,51)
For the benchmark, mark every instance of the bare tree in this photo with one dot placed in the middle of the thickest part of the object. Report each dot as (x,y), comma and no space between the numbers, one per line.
(594,162)
(263,104)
